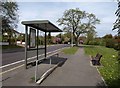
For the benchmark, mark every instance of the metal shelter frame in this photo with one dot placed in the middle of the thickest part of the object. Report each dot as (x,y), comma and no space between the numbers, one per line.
(42,25)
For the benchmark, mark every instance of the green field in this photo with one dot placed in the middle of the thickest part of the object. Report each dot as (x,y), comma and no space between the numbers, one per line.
(71,50)
(110,69)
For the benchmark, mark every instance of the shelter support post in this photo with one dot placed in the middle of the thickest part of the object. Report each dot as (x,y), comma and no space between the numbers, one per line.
(36,67)
(45,45)
(36,70)
(37,42)
(26,43)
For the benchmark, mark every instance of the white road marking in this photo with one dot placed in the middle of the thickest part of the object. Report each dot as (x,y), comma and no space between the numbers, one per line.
(11,64)
(23,60)
(11,69)
(23,64)
(28,59)
(56,51)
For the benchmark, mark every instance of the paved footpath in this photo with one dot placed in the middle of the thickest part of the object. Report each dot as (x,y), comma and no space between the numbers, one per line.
(76,71)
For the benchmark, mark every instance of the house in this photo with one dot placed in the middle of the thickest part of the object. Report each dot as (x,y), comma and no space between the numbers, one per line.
(13,35)
(82,39)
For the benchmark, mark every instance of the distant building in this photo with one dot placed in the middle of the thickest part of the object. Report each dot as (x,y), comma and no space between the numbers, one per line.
(15,35)
(13,32)
(56,40)
(82,39)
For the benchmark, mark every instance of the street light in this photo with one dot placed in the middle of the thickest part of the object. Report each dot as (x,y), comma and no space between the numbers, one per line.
(71,38)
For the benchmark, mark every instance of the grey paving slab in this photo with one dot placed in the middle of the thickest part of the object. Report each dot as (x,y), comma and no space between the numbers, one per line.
(23,77)
(75,72)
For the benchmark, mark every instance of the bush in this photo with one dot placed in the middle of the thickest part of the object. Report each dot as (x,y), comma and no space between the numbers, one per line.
(119,56)
(110,43)
(116,47)
(90,43)
(94,42)
(102,42)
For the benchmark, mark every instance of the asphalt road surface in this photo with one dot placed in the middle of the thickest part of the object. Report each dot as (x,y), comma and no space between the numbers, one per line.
(12,57)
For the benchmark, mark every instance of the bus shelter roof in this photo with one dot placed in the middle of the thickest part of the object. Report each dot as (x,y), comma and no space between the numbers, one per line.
(43,25)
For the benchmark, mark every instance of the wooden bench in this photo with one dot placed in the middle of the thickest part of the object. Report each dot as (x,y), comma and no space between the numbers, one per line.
(96,60)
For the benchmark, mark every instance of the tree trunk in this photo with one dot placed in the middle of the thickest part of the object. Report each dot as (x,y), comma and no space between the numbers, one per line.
(87,42)
(76,40)
(9,38)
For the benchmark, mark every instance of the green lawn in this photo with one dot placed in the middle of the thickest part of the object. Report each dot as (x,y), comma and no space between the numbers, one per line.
(10,46)
(71,50)
(109,71)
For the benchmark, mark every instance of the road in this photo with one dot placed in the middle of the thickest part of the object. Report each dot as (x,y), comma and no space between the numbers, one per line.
(8,58)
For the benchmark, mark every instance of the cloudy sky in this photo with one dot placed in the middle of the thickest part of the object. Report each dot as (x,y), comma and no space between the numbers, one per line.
(34,10)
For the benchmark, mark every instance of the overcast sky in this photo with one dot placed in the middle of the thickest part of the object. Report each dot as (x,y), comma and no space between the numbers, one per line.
(53,10)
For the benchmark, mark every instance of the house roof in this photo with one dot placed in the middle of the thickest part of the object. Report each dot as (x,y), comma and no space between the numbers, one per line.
(43,25)
(16,31)
(13,31)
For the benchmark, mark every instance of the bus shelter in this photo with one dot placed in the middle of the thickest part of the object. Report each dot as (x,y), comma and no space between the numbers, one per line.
(34,26)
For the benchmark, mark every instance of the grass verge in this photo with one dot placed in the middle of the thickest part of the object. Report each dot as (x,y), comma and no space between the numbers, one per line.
(110,69)
(71,50)
(10,46)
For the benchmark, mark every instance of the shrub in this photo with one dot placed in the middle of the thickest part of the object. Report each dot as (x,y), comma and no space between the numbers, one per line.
(110,43)
(119,56)
(90,43)
(94,42)
(116,47)
(102,42)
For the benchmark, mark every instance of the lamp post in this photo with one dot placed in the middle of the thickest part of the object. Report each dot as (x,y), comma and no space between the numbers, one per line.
(71,38)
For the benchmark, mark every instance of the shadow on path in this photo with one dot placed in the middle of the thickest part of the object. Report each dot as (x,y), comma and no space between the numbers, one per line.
(53,60)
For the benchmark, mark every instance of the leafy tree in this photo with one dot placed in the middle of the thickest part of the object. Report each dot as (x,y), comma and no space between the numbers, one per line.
(49,38)
(116,37)
(117,25)
(108,36)
(117,22)
(64,37)
(9,17)
(77,22)
(21,37)
(91,34)
(59,35)
(109,40)
(67,35)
